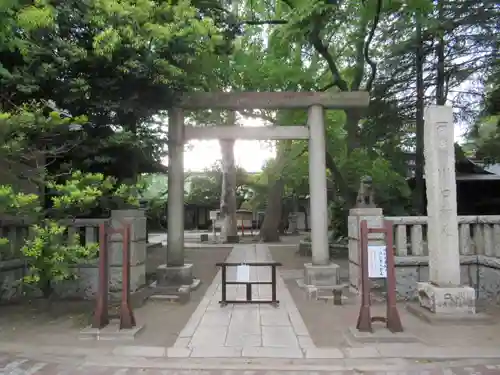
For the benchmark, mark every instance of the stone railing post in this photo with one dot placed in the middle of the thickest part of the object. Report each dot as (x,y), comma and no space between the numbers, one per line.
(375,219)
(137,220)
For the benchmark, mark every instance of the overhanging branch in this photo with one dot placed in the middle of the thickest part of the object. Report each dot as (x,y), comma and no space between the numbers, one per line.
(373,65)
(263,22)
(318,45)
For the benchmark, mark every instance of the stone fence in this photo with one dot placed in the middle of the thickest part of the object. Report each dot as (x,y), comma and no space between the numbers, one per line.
(15,267)
(479,248)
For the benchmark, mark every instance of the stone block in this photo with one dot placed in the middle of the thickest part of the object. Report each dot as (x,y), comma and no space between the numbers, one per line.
(362,352)
(271,352)
(11,272)
(137,252)
(406,282)
(354,276)
(489,284)
(321,275)
(353,249)
(172,275)
(324,353)
(447,300)
(111,332)
(209,351)
(137,278)
(305,249)
(455,319)
(178,352)
(379,335)
(140,351)
(84,286)
(232,239)
(137,221)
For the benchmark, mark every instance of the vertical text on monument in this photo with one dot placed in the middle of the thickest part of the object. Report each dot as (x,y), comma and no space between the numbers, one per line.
(444,266)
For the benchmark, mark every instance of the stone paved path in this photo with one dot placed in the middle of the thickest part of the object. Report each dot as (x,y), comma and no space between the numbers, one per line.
(24,366)
(245,330)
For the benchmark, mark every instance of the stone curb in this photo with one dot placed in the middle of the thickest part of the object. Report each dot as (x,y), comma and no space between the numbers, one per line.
(382,351)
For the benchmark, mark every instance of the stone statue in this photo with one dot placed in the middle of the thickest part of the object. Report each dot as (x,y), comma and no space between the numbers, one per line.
(365,194)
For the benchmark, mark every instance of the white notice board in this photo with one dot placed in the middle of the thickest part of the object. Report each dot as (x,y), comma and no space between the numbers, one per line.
(377,262)
(243,273)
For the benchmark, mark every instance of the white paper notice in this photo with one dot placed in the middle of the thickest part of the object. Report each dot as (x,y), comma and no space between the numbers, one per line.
(377,262)
(243,273)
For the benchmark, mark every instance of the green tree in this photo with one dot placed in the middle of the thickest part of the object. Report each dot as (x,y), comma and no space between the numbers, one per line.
(118,62)
(51,252)
(206,188)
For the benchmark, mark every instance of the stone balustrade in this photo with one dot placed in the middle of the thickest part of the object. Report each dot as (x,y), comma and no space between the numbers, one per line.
(13,267)
(478,235)
(17,231)
(479,247)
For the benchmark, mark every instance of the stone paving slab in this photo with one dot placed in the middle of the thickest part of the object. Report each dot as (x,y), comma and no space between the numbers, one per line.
(248,330)
(381,351)
(24,366)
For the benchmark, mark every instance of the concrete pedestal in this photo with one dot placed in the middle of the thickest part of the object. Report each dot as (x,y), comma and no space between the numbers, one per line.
(327,275)
(447,300)
(447,305)
(111,332)
(174,283)
(174,276)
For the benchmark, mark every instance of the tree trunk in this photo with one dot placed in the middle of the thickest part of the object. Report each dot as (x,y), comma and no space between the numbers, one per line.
(229,230)
(419,193)
(269,231)
(440,57)
(285,213)
(45,286)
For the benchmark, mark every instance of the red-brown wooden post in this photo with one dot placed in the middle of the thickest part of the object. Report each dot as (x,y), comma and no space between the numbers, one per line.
(393,322)
(101,317)
(364,319)
(127,319)
(392,318)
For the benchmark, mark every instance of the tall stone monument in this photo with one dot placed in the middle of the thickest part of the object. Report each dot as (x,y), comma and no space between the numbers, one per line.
(443,293)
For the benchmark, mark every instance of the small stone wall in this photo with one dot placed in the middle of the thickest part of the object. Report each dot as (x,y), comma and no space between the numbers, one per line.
(86,283)
(478,271)
(11,272)
(85,286)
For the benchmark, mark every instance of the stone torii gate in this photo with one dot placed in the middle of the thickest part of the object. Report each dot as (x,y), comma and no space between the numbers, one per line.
(176,272)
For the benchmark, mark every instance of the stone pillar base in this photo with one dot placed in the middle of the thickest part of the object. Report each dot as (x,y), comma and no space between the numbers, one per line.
(327,275)
(447,300)
(232,239)
(174,284)
(447,305)
(174,276)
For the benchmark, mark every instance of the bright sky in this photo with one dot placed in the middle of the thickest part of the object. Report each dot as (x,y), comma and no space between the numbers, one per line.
(250,155)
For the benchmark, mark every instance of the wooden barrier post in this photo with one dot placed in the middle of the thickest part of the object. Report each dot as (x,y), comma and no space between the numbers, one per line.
(244,279)
(392,319)
(127,319)
(101,315)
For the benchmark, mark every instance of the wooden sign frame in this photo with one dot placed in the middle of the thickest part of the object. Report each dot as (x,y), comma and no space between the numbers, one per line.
(392,318)
(101,315)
